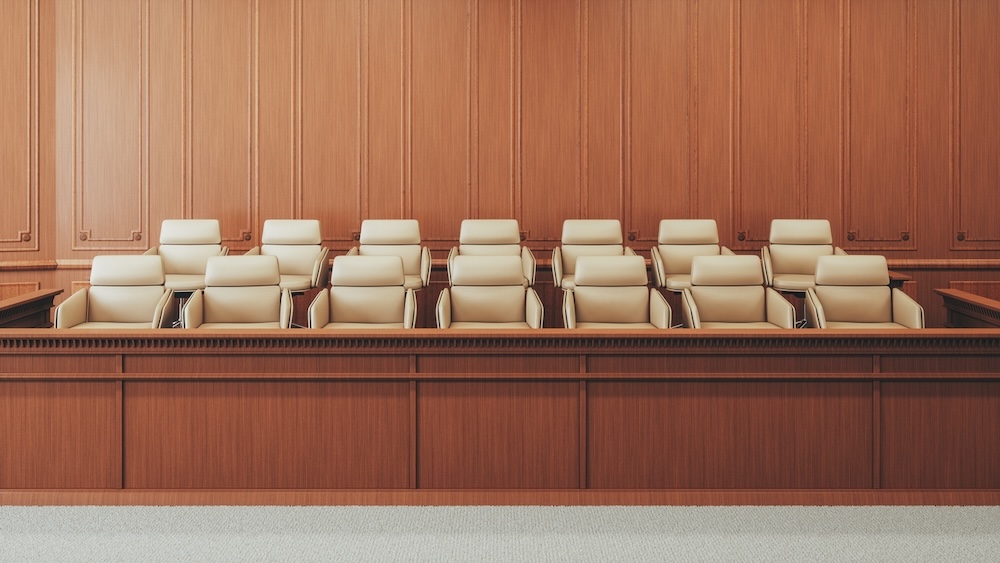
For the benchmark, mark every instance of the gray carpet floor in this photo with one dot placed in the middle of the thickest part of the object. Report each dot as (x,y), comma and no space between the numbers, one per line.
(499,533)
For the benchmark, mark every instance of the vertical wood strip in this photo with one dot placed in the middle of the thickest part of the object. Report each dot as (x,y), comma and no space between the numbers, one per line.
(583,435)
(626,118)
(472,70)
(583,65)
(693,122)
(516,69)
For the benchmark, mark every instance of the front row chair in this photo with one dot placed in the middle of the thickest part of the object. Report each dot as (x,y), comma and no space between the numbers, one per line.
(125,292)
(853,292)
(680,240)
(298,246)
(611,293)
(487,292)
(240,292)
(727,292)
(367,292)
(493,237)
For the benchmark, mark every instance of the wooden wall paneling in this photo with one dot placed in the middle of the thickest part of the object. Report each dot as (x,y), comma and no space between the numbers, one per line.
(253,363)
(976,56)
(823,127)
(662,86)
(498,435)
(278,85)
(19,138)
(271,435)
(737,363)
(441,140)
(331,115)
(881,97)
(459,364)
(13,289)
(940,435)
(603,67)
(771,117)
(110,127)
(551,109)
(729,435)
(221,106)
(168,139)
(52,426)
(387,49)
(496,85)
(989,289)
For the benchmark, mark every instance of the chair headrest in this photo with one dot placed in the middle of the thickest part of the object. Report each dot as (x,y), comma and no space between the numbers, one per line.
(241,271)
(127,270)
(487,270)
(800,231)
(190,231)
(852,270)
(592,231)
(390,231)
(616,271)
(490,231)
(726,270)
(291,231)
(367,271)
(688,231)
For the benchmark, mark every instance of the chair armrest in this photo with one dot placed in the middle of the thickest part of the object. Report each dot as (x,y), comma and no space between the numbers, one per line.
(353,251)
(779,311)
(410,309)
(627,251)
(815,315)
(72,311)
(162,306)
(319,309)
(528,265)
(442,312)
(193,313)
(765,254)
(451,258)
(534,311)
(659,276)
(255,251)
(152,251)
(569,309)
(724,251)
(557,266)
(425,266)
(906,311)
(659,309)
(692,319)
(224,251)
(837,251)
(320,268)
(286,310)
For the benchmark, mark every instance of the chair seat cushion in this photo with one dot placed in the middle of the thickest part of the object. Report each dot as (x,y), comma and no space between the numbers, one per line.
(227,326)
(185,281)
(756,325)
(469,324)
(294,282)
(616,326)
(678,282)
(863,326)
(362,326)
(109,325)
(793,282)
(412,281)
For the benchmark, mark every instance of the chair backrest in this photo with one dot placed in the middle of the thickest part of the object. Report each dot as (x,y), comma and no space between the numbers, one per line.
(295,242)
(487,289)
(489,237)
(728,288)
(795,244)
(392,237)
(187,244)
(242,289)
(367,289)
(589,237)
(854,288)
(680,240)
(611,289)
(124,289)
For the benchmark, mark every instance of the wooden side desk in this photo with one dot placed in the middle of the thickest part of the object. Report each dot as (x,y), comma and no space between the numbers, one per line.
(30,310)
(968,310)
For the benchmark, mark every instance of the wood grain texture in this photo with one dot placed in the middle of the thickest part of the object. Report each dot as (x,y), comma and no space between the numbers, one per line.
(988,289)
(13,289)
(252,363)
(266,435)
(60,435)
(941,435)
(497,435)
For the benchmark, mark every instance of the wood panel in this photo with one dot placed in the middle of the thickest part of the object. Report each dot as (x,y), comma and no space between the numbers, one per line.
(498,435)
(266,435)
(605,123)
(110,124)
(812,364)
(8,290)
(19,114)
(253,363)
(60,435)
(941,435)
(496,115)
(990,289)
(737,435)
(386,53)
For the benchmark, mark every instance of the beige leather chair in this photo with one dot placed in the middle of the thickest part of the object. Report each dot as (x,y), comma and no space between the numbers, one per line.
(585,237)
(853,292)
(397,237)
(611,293)
(367,293)
(493,237)
(240,292)
(728,292)
(297,244)
(185,247)
(487,293)
(680,240)
(124,292)
(794,246)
